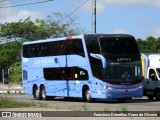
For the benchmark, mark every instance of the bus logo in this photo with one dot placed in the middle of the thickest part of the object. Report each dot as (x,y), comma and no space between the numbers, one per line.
(123,59)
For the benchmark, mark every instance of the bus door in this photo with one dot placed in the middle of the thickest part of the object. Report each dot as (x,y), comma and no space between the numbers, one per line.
(26,82)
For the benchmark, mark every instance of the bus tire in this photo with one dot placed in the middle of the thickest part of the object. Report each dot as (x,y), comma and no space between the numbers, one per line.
(150,97)
(34,92)
(87,95)
(43,93)
(37,93)
(157,94)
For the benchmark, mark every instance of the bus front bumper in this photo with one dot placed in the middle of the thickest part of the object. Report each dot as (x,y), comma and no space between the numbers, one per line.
(119,93)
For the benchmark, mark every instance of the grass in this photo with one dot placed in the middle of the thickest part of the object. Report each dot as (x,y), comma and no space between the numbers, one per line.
(10,103)
(123,108)
(106,109)
(85,108)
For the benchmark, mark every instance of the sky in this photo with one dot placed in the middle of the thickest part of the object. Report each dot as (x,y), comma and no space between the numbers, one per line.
(140,18)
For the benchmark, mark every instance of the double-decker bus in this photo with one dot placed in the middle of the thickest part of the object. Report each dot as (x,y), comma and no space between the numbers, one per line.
(105,66)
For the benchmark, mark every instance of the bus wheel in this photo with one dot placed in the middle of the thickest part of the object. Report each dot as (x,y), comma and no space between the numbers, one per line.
(34,92)
(37,93)
(43,93)
(150,97)
(157,95)
(87,95)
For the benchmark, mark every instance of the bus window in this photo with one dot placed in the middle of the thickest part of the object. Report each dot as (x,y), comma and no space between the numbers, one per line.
(25,75)
(65,73)
(54,48)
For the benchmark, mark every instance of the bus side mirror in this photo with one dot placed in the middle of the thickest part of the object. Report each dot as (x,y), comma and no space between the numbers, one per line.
(101,57)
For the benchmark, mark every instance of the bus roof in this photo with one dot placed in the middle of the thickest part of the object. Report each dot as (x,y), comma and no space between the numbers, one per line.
(107,35)
(96,35)
(51,39)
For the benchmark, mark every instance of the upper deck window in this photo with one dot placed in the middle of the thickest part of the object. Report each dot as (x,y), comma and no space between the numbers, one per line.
(119,46)
(54,48)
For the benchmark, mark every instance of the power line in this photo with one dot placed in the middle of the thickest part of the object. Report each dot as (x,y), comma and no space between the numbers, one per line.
(67,16)
(26,4)
(78,8)
(10,3)
(74,10)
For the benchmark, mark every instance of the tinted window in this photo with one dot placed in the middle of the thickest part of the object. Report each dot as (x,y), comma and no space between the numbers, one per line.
(65,73)
(24,75)
(93,46)
(119,46)
(96,64)
(65,47)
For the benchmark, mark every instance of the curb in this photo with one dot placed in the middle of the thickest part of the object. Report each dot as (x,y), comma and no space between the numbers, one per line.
(11,92)
(11,89)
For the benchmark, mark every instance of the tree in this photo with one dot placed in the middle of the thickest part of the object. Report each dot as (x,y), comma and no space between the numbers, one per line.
(150,45)
(60,25)
(24,29)
(10,53)
(15,72)
(56,25)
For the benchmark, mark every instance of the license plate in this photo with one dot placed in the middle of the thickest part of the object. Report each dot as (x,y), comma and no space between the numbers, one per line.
(127,95)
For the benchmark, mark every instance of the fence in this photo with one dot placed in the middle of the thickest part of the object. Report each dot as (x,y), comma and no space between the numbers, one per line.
(4,76)
(11,88)
(6,86)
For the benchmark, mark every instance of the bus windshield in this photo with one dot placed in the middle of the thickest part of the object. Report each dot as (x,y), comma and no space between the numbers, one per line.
(119,46)
(122,57)
(119,73)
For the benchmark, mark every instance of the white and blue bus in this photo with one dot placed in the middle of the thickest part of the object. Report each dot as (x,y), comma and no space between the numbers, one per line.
(105,66)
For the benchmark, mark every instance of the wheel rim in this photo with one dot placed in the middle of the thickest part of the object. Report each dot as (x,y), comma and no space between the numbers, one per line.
(88,95)
(37,92)
(157,96)
(44,93)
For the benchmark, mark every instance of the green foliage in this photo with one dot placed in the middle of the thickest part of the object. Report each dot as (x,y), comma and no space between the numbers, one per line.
(85,108)
(55,25)
(9,103)
(10,53)
(106,109)
(150,45)
(16,72)
(25,29)
(122,108)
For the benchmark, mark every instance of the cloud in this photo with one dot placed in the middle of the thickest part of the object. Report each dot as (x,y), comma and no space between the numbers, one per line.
(156,32)
(102,4)
(13,14)
(131,2)
(120,30)
(21,14)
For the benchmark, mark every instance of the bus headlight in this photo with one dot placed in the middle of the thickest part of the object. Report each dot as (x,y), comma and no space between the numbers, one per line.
(110,88)
(140,87)
(103,86)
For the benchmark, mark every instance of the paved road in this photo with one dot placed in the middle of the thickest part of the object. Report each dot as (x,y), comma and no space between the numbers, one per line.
(99,105)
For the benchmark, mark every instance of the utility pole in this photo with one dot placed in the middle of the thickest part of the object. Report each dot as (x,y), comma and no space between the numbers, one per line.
(94,18)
